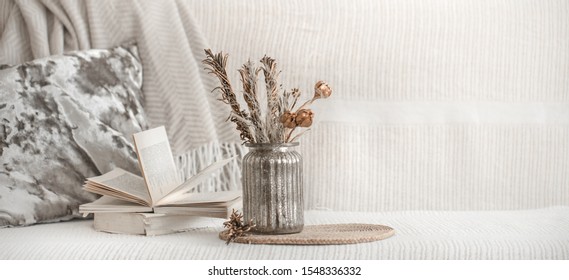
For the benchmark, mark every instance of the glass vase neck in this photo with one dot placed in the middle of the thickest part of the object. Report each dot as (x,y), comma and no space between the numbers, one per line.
(270,146)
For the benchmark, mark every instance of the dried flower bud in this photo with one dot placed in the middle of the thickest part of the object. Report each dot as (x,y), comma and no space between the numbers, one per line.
(322,90)
(304,117)
(295,93)
(288,119)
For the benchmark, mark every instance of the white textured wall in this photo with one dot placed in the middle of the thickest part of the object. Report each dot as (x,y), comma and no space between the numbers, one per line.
(438,104)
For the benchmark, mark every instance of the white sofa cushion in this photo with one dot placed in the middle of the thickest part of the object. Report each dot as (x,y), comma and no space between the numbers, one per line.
(437,104)
(525,234)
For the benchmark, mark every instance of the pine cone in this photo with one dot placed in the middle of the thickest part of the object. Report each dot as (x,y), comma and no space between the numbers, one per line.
(236,227)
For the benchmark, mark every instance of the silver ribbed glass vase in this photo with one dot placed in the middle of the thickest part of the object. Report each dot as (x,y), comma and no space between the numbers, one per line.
(272,188)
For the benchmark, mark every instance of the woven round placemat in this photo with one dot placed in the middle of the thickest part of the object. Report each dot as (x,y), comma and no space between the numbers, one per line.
(332,234)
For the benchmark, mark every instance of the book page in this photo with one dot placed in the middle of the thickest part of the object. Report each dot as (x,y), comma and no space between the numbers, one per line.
(102,190)
(200,210)
(213,198)
(110,204)
(121,182)
(156,162)
(181,191)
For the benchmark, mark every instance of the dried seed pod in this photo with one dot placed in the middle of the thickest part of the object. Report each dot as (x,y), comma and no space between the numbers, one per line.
(304,117)
(295,92)
(288,119)
(322,90)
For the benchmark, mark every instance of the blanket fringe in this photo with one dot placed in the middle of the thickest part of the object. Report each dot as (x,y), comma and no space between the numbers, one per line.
(228,178)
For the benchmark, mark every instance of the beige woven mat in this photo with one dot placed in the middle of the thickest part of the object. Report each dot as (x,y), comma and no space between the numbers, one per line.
(321,235)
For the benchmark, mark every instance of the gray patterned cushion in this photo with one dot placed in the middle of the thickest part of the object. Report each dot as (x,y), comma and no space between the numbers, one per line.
(64,118)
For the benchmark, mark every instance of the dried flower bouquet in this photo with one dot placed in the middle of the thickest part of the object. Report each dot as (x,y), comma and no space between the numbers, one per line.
(280,119)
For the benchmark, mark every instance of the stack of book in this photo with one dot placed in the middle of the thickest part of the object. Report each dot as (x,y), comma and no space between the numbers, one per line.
(156,203)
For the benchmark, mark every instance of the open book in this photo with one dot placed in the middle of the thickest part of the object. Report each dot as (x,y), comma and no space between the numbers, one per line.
(160,184)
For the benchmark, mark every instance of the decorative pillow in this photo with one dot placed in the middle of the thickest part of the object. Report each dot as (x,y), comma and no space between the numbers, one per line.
(64,118)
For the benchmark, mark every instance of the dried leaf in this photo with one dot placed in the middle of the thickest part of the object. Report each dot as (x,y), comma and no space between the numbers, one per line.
(216,64)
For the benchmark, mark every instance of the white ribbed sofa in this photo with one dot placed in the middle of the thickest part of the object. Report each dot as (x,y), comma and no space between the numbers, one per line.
(523,234)
(449,121)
